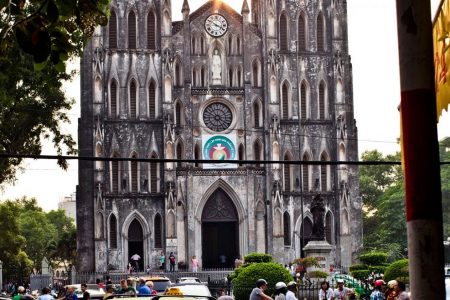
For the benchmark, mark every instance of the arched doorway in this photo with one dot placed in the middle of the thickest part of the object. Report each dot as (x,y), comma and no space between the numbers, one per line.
(136,245)
(220,246)
(305,234)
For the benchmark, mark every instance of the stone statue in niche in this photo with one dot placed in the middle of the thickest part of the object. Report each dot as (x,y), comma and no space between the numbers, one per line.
(318,211)
(216,68)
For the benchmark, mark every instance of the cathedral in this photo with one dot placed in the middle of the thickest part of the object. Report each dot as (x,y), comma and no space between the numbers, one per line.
(266,92)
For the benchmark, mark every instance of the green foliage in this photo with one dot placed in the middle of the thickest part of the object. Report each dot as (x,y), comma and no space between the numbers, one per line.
(373,258)
(247,276)
(377,269)
(398,269)
(361,274)
(445,187)
(306,262)
(316,274)
(257,257)
(358,267)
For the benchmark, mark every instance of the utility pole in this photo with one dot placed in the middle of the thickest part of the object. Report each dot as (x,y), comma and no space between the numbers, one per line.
(420,150)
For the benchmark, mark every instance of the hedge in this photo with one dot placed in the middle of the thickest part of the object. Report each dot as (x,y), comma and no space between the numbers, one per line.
(257,258)
(377,269)
(374,258)
(358,267)
(398,269)
(316,274)
(361,274)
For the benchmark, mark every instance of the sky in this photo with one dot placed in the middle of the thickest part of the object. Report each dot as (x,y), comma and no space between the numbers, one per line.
(376,95)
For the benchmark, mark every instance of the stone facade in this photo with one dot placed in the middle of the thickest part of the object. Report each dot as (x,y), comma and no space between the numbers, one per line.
(275,80)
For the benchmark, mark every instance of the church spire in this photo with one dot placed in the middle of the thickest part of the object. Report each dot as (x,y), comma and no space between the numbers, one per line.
(185,9)
(245,10)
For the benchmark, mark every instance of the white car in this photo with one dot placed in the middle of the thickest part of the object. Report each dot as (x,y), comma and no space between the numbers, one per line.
(94,290)
(188,280)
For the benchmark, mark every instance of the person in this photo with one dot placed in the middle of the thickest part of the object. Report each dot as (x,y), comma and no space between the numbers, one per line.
(143,289)
(222,260)
(148,270)
(109,292)
(45,294)
(376,293)
(194,262)
(150,286)
(172,262)
(400,289)
(125,289)
(292,291)
(86,295)
(280,291)
(391,293)
(108,280)
(135,261)
(325,293)
(342,292)
(258,292)
(70,295)
(162,261)
(22,294)
(100,284)
(223,295)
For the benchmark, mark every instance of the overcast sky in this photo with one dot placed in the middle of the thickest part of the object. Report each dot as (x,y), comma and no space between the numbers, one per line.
(373,48)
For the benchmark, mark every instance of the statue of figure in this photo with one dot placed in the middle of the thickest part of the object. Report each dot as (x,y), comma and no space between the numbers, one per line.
(216,68)
(318,211)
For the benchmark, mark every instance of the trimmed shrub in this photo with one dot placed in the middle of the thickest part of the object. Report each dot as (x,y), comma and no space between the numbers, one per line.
(377,269)
(245,281)
(398,269)
(358,267)
(374,258)
(257,258)
(361,274)
(316,274)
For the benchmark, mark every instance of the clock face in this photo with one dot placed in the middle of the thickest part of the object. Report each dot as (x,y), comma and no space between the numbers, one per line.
(216,25)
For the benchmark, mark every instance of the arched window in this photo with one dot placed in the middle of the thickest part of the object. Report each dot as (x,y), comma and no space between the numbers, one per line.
(321,101)
(287,174)
(329,228)
(257,150)
(230,44)
(197,155)
(339,92)
(241,154)
(256,73)
(239,77)
(202,46)
(194,77)
(283,33)
(178,116)
(152,100)
(113,99)
(115,174)
(320,33)
(305,174)
(151,30)
(134,174)
(203,77)
(230,76)
(178,73)
(179,153)
(285,101)
(154,174)
(303,107)
(166,23)
(287,229)
(256,116)
(301,28)
(238,45)
(131,30)
(158,231)
(113,232)
(112,30)
(193,45)
(324,173)
(133,107)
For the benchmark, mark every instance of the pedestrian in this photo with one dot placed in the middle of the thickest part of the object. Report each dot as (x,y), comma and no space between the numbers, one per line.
(45,294)
(150,286)
(223,295)
(402,294)
(100,284)
(325,293)
(70,295)
(143,289)
(108,280)
(162,261)
(22,294)
(109,292)
(172,262)
(292,291)
(342,292)
(258,292)
(280,291)
(125,289)
(148,270)
(376,293)
(86,295)
(194,262)
(391,293)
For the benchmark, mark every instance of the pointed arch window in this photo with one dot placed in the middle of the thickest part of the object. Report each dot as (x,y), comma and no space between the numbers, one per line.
(178,74)
(202,46)
(321,101)
(154,174)
(239,77)
(115,174)
(132,30)
(134,174)
(203,77)
(193,40)
(328,228)
(197,155)
(301,28)
(152,100)
(238,45)
(324,173)
(230,45)
(287,174)
(256,73)
(256,116)
(287,229)
(113,232)
(112,30)
(179,153)
(285,101)
(133,107)
(320,33)
(303,107)
(151,30)
(241,154)
(283,33)
(305,174)
(113,99)
(178,117)
(158,231)
(230,77)
(257,148)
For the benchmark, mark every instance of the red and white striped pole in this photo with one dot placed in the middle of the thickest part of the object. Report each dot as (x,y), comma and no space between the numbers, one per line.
(420,150)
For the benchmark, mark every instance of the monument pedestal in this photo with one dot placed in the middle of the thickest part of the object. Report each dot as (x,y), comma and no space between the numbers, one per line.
(321,250)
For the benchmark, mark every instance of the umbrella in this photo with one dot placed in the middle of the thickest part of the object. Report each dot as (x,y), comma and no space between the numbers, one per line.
(136,257)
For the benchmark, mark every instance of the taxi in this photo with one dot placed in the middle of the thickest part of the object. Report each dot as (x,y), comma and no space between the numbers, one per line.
(175,293)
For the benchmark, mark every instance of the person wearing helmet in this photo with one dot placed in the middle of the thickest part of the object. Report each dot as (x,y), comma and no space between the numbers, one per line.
(280,291)
(376,293)
(258,292)
(391,293)
(292,291)
(342,292)
(325,293)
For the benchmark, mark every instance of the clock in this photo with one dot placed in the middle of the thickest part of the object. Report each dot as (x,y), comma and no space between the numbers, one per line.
(216,25)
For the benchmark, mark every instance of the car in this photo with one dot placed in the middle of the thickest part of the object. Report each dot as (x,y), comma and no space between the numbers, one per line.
(93,289)
(188,279)
(191,289)
(160,283)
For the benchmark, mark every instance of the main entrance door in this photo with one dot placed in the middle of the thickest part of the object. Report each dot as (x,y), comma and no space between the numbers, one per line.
(220,232)
(136,245)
